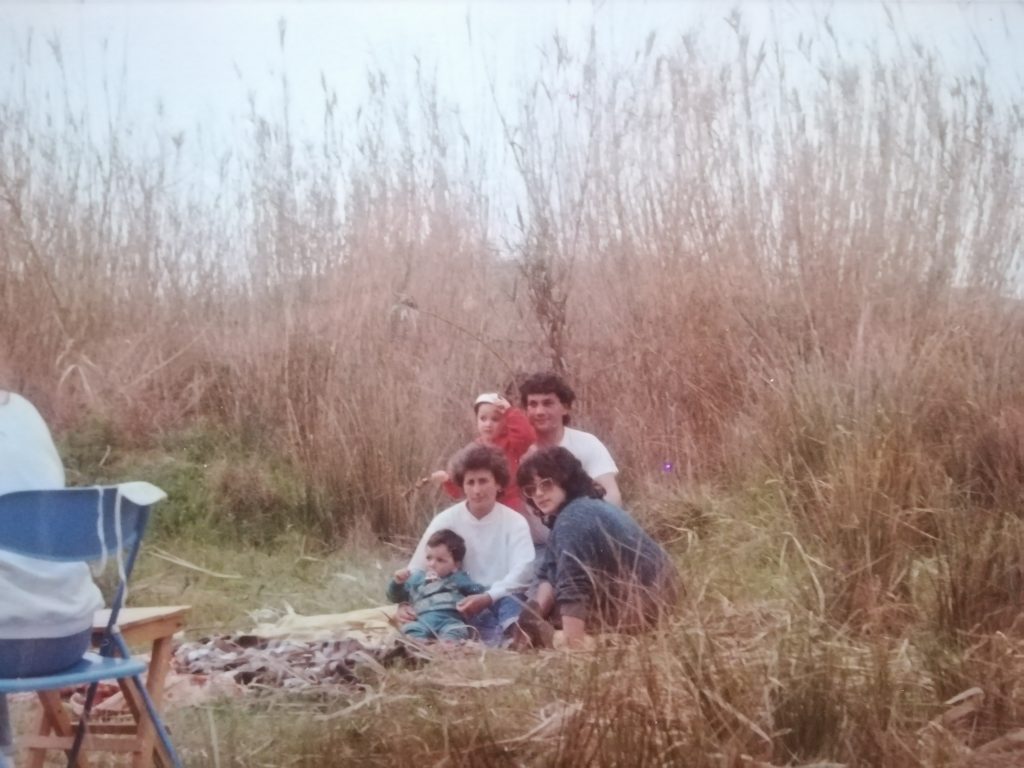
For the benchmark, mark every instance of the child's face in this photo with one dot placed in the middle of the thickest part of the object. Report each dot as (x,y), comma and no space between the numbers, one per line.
(440,561)
(489,422)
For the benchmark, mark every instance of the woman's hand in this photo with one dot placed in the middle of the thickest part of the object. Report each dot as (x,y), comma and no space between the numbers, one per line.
(544,598)
(472,605)
(574,632)
(405,613)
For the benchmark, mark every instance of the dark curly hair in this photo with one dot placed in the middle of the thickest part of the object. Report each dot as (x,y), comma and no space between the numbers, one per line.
(448,538)
(557,464)
(547,384)
(481,457)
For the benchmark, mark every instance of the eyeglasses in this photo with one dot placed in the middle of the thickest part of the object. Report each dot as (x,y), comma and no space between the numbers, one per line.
(530,490)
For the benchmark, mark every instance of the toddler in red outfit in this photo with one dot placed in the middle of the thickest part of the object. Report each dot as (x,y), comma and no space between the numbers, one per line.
(500,424)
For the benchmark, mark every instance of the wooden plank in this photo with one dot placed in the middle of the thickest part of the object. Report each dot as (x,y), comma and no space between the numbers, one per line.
(131,698)
(131,616)
(90,743)
(37,757)
(159,664)
(143,625)
(56,719)
(113,729)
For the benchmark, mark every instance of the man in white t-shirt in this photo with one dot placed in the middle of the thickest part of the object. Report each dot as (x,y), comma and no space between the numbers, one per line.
(547,400)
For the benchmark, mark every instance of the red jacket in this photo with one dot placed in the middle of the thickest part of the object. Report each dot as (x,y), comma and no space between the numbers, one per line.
(513,442)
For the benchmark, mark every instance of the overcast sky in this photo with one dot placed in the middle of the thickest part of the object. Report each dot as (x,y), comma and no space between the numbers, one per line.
(202,60)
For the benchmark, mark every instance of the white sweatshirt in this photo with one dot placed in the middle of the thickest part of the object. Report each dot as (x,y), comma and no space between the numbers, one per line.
(499,549)
(38,598)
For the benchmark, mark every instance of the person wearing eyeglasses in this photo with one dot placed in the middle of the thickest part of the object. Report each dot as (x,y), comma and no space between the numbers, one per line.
(601,570)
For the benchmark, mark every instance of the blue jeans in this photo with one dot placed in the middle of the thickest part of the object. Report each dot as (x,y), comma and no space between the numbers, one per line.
(438,625)
(32,658)
(492,622)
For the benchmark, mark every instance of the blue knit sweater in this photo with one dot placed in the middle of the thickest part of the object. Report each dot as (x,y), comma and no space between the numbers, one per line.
(598,556)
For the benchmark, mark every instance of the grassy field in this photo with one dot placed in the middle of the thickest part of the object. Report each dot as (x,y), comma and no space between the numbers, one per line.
(792,310)
(753,672)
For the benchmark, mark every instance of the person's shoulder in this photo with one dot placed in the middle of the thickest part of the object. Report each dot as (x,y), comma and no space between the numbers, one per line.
(508,515)
(573,434)
(580,439)
(586,504)
(454,510)
(449,515)
(13,405)
(582,511)
(13,398)
(594,512)
(593,454)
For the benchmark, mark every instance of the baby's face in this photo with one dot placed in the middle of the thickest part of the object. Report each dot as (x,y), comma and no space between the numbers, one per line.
(440,562)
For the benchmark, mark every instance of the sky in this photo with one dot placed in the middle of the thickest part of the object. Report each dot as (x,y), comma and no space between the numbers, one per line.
(193,69)
(201,62)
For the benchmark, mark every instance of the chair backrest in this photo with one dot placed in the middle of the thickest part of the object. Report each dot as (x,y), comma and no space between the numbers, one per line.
(81,524)
(76,524)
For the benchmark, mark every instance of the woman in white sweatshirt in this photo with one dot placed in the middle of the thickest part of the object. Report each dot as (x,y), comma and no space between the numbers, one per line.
(47,608)
(499,548)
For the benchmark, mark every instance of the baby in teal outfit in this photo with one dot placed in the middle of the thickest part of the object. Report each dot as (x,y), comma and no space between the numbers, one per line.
(435,593)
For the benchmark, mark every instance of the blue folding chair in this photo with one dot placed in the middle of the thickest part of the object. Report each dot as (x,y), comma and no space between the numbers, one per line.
(64,525)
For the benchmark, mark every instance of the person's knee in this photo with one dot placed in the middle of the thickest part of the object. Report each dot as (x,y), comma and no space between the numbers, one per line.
(456,631)
(507,610)
(417,630)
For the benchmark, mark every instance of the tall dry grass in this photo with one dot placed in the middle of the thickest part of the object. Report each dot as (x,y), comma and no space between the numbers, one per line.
(743,274)
(807,291)
(714,252)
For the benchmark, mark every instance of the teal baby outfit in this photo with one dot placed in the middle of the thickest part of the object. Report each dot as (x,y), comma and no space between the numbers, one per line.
(435,601)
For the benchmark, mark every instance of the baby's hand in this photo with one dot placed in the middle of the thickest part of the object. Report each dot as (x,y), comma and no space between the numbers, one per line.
(402,575)
(440,477)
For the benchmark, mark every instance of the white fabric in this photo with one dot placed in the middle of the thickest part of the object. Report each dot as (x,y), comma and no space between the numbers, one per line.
(499,550)
(594,457)
(39,598)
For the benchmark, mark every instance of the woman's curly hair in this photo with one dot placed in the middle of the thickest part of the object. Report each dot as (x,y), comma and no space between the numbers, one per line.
(476,457)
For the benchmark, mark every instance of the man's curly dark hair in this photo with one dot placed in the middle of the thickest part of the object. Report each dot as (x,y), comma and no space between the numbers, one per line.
(547,384)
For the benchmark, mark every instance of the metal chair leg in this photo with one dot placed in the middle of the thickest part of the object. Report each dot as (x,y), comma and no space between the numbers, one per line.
(154,716)
(90,697)
(158,723)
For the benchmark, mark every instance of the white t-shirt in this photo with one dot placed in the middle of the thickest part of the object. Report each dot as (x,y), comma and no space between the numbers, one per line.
(594,457)
(40,598)
(499,550)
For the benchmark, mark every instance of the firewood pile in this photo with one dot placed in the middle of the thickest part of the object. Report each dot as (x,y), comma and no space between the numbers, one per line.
(282,662)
